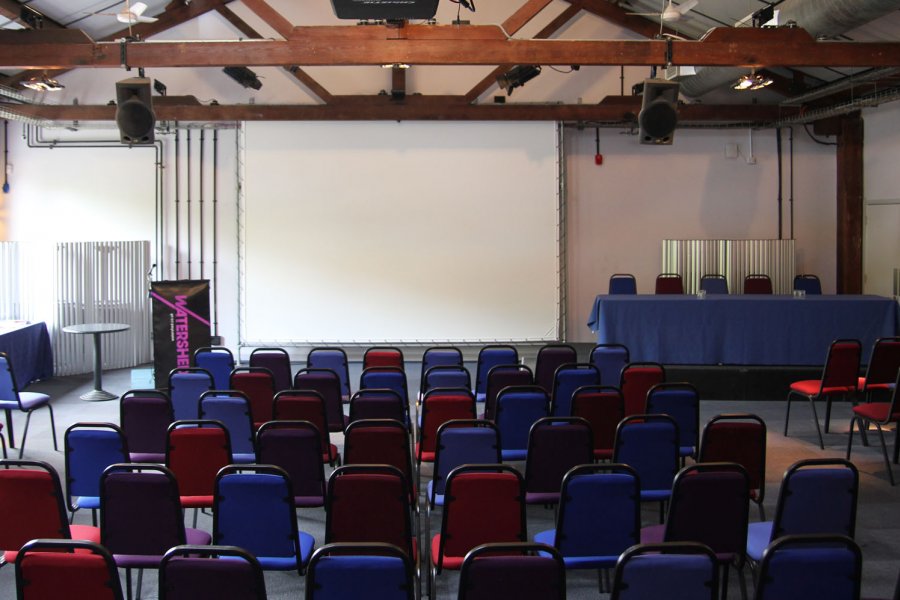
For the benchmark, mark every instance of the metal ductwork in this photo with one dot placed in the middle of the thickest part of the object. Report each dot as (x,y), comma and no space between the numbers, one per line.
(821,18)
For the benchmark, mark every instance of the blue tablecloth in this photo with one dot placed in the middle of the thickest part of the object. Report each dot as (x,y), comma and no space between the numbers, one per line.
(740,330)
(28,347)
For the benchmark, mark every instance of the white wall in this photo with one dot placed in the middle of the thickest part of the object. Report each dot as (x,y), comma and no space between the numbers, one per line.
(881,242)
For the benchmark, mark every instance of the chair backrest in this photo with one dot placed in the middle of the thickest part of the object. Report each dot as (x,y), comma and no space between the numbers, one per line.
(140,510)
(145,416)
(438,356)
(714,284)
(50,568)
(379,442)
(842,365)
(669,283)
(483,504)
(884,362)
(826,567)
(667,570)
(525,571)
(556,445)
(518,407)
(258,385)
(599,511)
(439,406)
(610,359)
(566,380)
(738,438)
(383,356)
(219,361)
(603,407)
(503,376)
(489,357)
(296,447)
(635,381)
(378,403)
(649,444)
(328,384)
(549,358)
(681,401)
(709,504)
(809,283)
(254,509)
(276,360)
(369,503)
(462,442)
(232,409)
(340,571)
(305,405)
(757,283)
(189,572)
(334,359)
(445,376)
(31,502)
(196,450)
(89,449)
(185,386)
(817,496)
(622,283)
(391,378)
(9,391)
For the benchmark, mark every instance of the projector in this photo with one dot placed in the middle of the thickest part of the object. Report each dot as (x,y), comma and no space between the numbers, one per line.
(388,10)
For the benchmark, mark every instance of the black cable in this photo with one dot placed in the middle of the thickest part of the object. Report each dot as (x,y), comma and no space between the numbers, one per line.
(816,140)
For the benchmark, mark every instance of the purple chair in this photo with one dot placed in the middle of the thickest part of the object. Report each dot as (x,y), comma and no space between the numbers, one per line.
(549,358)
(328,384)
(141,517)
(500,377)
(145,416)
(378,403)
(278,361)
(296,447)
(524,571)
(555,445)
(191,572)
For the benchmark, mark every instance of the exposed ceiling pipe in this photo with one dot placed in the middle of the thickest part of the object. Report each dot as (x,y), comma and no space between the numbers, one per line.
(821,18)
(841,85)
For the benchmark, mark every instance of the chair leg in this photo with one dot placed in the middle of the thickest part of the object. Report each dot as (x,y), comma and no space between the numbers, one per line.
(24,434)
(827,413)
(139,581)
(9,428)
(853,420)
(762,511)
(724,595)
(128,593)
(887,463)
(3,443)
(53,427)
(812,404)
(896,442)
(787,413)
(742,579)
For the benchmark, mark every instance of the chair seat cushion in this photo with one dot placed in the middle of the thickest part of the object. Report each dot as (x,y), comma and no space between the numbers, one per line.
(449,562)
(861,384)
(89,502)
(603,453)
(197,501)
(244,458)
(758,537)
(576,562)
(542,497)
(653,534)
(650,495)
(513,454)
(438,498)
(309,501)
(874,411)
(147,457)
(29,400)
(196,537)
(812,387)
(287,563)
(79,532)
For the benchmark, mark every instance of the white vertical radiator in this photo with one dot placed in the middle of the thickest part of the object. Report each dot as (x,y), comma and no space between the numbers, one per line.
(735,259)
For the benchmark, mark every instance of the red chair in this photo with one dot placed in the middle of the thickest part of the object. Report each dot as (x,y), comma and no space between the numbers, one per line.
(383,356)
(603,407)
(258,384)
(307,405)
(195,452)
(669,283)
(439,406)
(879,414)
(76,570)
(883,366)
(839,378)
(757,283)
(635,381)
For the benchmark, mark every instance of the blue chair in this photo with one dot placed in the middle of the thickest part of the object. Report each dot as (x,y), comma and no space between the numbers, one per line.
(219,361)
(461,442)
(334,359)
(683,570)
(489,357)
(221,572)
(90,448)
(609,360)
(390,378)
(599,516)
(567,379)
(232,409)
(27,402)
(276,360)
(808,283)
(824,567)
(254,510)
(341,571)
(622,283)
(439,356)
(649,444)
(555,445)
(445,376)
(519,570)
(714,284)
(681,401)
(817,496)
(186,384)
(518,408)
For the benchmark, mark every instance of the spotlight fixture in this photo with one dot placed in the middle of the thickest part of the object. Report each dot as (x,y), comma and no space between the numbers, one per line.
(244,76)
(160,87)
(753,81)
(517,77)
(43,84)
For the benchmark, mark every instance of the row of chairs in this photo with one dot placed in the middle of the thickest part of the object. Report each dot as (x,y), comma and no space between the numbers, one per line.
(672,283)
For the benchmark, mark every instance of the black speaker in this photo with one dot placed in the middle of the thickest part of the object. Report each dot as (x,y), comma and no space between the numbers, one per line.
(659,116)
(134,111)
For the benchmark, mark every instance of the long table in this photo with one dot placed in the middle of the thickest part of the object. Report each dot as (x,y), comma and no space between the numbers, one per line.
(740,329)
(28,346)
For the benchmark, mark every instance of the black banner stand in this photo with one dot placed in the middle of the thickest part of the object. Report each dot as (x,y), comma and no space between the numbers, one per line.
(180,324)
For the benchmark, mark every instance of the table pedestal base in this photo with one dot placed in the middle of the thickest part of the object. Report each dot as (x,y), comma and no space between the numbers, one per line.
(98,396)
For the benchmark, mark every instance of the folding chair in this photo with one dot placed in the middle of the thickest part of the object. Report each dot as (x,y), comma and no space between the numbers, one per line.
(681,401)
(145,416)
(500,377)
(307,405)
(714,284)
(258,385)
(232,409)
(649,444)
(27,402)
(296,447)
(757,283)
(518,408)
(566,380)
(669,283)
(610,359)
(219,361)
(808,283)
(602,407)
(549,358)
(667,570)
(186,384)
(276,360)
(334,359)
(523,571)
(89,449)
(825,567)
(66,569)
(489,357)
(635,381)
(220,572)
(340,571)
(622,283)
(327,383)
(884,362)
(555,445)
(879,414)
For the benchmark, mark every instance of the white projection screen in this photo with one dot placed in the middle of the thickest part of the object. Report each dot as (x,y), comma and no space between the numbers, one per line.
(410,232)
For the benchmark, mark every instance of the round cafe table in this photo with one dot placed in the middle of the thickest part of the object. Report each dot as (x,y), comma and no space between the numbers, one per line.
(98,394)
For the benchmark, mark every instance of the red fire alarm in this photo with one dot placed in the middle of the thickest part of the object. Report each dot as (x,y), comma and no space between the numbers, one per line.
(598,159)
